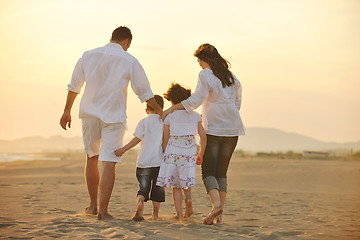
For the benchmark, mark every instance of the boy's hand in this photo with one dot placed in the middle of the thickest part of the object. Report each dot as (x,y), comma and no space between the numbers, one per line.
(199,159)
(119,152)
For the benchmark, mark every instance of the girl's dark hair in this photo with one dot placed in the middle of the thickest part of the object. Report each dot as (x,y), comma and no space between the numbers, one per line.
(121,33)
(219,66)
(177,93)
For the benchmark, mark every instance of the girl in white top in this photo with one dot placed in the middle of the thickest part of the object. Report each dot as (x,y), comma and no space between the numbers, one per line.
(219,91)
(177,169)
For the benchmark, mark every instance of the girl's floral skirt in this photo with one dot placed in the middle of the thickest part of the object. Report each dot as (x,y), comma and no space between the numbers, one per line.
(178,165)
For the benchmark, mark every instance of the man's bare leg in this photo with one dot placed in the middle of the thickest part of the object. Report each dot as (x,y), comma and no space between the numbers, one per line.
(188,202)
(216,206)
(218,219)
(156,208)
(92,183)
(139,209)
(106,187)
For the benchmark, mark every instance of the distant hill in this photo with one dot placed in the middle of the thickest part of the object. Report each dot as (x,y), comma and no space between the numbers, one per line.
(40,144)
(269,139)
(256,139)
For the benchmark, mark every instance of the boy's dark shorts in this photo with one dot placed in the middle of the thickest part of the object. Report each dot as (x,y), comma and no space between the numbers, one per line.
(147,184)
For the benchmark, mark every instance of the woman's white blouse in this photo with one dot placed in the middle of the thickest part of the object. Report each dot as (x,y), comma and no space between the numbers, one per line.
(221,106)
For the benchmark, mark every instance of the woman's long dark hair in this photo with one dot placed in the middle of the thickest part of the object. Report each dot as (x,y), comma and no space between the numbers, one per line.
(219,66)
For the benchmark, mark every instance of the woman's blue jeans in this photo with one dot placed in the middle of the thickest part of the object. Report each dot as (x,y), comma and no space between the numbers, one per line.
(218,152)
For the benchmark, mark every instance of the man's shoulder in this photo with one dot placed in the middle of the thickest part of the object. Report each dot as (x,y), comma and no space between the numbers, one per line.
(111,49)
(98,49)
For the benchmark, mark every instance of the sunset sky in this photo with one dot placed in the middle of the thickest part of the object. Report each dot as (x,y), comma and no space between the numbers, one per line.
(298,61)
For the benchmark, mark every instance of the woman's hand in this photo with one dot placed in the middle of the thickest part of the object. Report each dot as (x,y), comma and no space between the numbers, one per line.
(177,106)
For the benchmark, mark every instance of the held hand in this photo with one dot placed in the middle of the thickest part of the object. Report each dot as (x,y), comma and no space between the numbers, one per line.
(165,113)
(161,114)
(65,120)
(199,159)
(119,152)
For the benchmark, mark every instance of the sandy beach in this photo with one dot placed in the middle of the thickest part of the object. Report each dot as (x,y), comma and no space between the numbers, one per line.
(267,199)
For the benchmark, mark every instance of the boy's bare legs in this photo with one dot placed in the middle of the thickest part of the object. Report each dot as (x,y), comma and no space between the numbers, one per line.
(177,198)
(156,208)
(139,209)
(107,181)
(92,183)
(222,203)
(214,196)
(188,202)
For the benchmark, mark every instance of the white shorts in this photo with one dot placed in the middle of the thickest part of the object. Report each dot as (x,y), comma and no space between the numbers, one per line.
(102,138)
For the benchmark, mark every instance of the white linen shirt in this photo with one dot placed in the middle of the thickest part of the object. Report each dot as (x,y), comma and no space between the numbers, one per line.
(221,106)
(107,71)
(183,123)
(150,131)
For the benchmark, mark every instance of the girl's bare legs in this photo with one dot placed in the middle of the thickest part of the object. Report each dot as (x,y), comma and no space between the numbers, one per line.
(139,209)
(156,208)
(188,202)
(177,197)
(222,203)
(214,196)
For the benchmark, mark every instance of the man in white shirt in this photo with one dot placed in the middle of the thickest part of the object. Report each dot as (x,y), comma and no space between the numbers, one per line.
(107,71)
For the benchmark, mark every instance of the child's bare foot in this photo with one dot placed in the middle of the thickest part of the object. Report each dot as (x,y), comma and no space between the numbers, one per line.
(156,208)
(218,219)
(213,214)
(188,208)
(91,211)
(178,217)
(105,216)
(137,217)
(139,212)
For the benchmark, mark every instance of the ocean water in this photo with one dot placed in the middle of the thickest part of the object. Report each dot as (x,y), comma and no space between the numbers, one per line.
(11,157)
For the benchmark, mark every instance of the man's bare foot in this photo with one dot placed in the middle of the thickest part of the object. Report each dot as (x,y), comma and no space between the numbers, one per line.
(188,208)
(91,211)
(154,218)
(213,214)
(105,216)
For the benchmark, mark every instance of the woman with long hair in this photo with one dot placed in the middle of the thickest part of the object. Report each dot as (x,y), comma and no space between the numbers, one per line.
(219,91)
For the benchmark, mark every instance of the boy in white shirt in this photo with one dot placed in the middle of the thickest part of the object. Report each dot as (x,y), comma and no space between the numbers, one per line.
(149,132)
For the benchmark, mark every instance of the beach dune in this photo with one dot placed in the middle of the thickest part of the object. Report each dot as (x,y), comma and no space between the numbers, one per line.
(267,199)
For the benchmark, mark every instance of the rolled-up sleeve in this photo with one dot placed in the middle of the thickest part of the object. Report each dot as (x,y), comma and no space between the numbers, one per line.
(78,77)
(140,83)
(197,98)
(238,94)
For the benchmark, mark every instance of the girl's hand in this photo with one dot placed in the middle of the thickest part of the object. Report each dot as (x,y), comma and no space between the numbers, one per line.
(199,159)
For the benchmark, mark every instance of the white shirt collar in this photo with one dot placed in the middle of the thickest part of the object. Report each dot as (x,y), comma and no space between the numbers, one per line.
(114,45)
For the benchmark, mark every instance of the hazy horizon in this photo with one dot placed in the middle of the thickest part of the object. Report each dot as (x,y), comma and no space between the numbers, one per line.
(297,61)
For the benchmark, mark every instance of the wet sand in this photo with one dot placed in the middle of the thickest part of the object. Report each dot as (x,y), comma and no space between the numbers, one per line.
(267,199)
